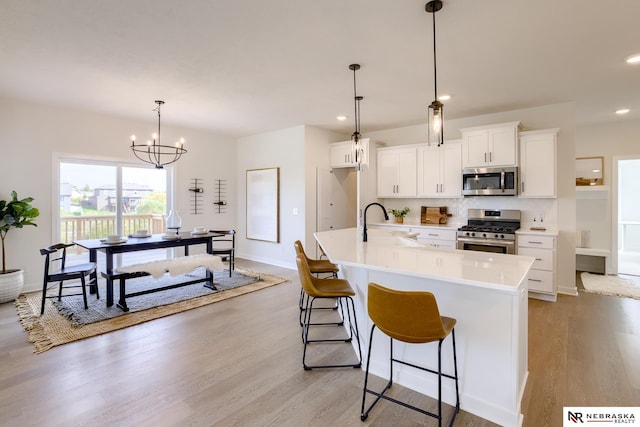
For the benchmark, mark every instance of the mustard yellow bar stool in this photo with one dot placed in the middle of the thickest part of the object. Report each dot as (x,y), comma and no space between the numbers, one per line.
(410,317)
(317,267)
(317,289)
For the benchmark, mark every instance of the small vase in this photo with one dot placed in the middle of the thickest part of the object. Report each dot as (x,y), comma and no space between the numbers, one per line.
(399,220)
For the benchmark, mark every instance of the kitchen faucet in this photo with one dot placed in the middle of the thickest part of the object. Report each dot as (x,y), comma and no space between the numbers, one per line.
(384,211)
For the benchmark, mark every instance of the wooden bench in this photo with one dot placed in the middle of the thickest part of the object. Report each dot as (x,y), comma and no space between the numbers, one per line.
(175,267)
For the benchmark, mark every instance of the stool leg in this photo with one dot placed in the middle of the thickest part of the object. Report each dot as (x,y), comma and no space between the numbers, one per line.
(455,371)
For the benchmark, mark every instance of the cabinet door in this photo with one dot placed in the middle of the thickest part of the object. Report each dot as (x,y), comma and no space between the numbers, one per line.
(407,173)
(538,165)
(502,146)
(429,172)
(397,176)
(387,173)
(475,148)
(341,154)
(451,170)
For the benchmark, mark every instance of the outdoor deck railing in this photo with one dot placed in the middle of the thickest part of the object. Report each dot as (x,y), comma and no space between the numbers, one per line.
(99,226)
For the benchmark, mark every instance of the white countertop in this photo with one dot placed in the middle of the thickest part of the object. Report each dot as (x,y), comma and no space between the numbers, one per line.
(548,232)
(385,251)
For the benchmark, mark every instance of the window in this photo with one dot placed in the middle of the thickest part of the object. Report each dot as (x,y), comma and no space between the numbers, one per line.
(100,198)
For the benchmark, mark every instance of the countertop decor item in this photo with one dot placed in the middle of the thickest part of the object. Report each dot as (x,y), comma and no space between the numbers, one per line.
(14,213)
(154,152)
(434,215)
(399,214)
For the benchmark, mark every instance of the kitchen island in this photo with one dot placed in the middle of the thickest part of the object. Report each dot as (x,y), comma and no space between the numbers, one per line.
(485,292)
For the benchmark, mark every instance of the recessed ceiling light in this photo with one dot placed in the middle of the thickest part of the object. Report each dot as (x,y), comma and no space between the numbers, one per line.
(444,97)
(633,59)
(622,111)
(342,118)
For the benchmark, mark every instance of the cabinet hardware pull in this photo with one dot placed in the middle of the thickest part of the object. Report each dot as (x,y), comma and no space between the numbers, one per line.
(485,157)
(523,187)
(538,259)
(434,235)
(490,156)
(535,280)
(537,243)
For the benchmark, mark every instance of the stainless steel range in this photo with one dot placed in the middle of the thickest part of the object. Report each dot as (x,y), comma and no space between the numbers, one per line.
(489,231)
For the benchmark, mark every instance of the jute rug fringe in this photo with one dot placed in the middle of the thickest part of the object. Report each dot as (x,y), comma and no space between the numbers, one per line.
(52,329)
(31,324)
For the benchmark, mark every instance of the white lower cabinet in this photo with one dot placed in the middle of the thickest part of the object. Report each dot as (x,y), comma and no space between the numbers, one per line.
(542,277)
(438,238)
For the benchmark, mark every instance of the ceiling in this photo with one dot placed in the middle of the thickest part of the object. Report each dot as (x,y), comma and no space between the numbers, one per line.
(240,67)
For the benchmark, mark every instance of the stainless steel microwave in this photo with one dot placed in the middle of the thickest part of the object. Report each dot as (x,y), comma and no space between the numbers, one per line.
(490,181)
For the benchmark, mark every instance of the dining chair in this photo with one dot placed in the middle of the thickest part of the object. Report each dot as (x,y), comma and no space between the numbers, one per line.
(57,271)
(224,243)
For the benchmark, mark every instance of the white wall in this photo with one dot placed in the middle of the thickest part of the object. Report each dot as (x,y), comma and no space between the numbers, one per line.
(559,212)
(30,135)
(297,151)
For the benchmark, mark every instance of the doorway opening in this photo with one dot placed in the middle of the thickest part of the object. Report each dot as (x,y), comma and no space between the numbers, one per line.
(628,217)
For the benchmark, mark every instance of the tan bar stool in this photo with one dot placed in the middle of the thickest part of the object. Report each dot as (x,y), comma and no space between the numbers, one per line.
(317,267)
(316,289)
(410,317)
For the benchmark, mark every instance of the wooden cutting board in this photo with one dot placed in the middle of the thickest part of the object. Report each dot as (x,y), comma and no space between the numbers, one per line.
(433,215)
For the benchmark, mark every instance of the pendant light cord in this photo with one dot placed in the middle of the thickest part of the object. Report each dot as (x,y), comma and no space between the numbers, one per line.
(435,68)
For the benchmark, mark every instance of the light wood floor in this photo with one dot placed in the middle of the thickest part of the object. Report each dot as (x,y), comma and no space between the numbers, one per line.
(237,363)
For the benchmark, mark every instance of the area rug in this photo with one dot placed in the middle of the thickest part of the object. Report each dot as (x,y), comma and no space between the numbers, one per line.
(54,328)
(610,285)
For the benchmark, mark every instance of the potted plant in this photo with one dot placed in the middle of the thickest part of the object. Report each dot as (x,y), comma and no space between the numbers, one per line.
(400,214)
(14,213)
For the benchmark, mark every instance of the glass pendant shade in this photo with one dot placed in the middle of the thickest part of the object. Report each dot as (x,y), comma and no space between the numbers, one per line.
(356,148)
(436,123)
(173,220)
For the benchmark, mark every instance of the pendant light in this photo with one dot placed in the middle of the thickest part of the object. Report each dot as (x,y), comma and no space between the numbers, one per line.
(153,152)
(357,150)
(436,114)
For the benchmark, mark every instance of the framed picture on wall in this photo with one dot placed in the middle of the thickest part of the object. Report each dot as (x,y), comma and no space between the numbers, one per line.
(263,204)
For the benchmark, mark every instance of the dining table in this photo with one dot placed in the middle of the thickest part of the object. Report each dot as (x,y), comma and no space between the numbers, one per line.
(135,243)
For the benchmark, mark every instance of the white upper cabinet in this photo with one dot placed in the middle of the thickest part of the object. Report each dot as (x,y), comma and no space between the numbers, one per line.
(342,155)
(538,163)
(397,172)
(440,170)
(493,145)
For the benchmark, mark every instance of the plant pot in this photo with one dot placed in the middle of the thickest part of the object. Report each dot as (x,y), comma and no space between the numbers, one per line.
(11,285)
(400,220)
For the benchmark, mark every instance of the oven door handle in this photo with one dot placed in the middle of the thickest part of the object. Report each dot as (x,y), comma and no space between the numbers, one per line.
(487,242)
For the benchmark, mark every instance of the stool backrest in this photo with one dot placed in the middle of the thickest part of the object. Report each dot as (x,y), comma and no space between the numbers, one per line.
(300,249)
(306,279)
(59,257)
(408,316)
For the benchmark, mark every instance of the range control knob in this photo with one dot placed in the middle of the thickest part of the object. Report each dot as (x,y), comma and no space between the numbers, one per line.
(497,236)
(484,234)
(473,234)
(502,236)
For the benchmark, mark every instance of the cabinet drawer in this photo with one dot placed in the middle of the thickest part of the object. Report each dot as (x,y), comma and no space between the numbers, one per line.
(540,281)
(437,234)
(545,242)
(438,244)
(544,257)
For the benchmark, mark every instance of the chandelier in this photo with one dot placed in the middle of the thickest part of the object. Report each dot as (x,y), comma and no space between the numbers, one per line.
(356,144)
(154,152)
(435,118)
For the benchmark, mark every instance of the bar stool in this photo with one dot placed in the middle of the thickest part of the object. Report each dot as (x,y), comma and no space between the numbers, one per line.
(315,289)
(317,267)
(410,317)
